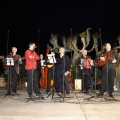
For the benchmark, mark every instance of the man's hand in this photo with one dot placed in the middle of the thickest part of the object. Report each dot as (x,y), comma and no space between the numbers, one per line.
(102,58)
(31,57)
(66,73)
(114,61)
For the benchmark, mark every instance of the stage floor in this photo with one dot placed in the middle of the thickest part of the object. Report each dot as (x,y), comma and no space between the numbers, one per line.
(77,106)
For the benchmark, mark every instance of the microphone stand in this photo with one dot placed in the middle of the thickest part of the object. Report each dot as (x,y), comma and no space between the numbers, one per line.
(9,64)
(94,91)
(83,73)
(53,88)
(63,80)
(91,76)
(107,73)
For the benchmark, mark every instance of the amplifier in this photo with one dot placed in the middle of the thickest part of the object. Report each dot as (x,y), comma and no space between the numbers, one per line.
(78,84)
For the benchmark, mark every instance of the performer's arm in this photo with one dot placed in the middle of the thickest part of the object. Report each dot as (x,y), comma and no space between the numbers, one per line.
(30,56)
(36,57)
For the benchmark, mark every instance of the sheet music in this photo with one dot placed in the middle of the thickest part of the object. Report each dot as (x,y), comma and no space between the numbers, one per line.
(42,63)
(10,61)
(51,58)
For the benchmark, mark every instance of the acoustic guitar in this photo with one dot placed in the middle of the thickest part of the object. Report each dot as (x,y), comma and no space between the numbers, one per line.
(50,65)
(108,57)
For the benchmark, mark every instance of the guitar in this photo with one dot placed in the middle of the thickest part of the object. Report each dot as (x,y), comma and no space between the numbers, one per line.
(108,56)
(49,66)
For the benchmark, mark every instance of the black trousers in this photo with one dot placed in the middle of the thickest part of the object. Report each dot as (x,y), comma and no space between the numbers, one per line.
(49,76)
(32,81)
(12,78)
(107,84)
(63,82)
(56,85)
(86,79)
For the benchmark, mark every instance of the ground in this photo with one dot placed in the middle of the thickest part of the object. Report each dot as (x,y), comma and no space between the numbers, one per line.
(77,106)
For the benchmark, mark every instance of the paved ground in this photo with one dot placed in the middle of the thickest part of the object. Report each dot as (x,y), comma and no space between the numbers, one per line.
(78,106)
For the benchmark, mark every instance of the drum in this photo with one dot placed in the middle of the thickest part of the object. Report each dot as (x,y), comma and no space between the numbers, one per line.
(2,82)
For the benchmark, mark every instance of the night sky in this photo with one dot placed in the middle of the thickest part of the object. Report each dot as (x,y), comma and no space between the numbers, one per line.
(24,19)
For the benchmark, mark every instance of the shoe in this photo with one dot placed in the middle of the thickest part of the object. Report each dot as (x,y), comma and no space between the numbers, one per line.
(110,95)
(38,95)
(86,92)
(62,95)
(67,94)
(15,93)
(100,95)
(29,96)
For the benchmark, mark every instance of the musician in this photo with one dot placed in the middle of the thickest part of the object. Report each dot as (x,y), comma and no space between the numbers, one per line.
(62,68)
(85,63)
(15,68)
(108,70)
(39,67)
(31,70)
(50,74)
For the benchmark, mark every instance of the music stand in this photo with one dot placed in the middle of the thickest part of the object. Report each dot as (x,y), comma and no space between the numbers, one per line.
(9,63)
(83,73)
(52,60)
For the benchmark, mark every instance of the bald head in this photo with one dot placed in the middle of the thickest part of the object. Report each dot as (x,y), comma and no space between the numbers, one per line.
(62,50)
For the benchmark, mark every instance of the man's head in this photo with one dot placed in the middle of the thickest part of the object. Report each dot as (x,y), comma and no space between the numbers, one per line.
(62,50)
(108,47)
(14,49)
(84,52)
(41,56)
(32,46)
(52,52)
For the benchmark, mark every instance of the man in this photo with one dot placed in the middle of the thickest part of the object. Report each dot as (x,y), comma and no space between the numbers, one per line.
(85,63)
(108,70)
(31,70)
(14,69)
(62,68)
(40,65)
(50,74)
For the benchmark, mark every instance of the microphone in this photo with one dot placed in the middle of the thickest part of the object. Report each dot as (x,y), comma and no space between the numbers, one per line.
(10,55)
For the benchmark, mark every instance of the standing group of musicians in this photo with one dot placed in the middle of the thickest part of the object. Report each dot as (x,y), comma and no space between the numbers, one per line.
(60,70)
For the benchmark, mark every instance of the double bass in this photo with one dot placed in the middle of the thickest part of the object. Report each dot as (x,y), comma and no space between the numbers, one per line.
(44,79)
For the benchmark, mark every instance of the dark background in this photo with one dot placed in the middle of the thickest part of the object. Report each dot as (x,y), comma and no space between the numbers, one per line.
(24,19)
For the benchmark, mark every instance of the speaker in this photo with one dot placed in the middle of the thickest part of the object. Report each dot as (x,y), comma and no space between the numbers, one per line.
(78,84)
